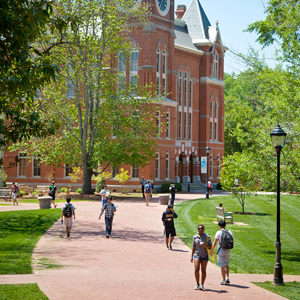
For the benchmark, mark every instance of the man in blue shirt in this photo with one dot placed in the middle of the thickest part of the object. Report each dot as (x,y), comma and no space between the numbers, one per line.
(109,209)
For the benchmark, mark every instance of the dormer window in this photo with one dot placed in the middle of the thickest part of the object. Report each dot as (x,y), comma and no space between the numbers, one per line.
(215,66)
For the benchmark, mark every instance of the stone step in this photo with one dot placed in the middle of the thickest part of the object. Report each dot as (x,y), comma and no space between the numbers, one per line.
(193,187)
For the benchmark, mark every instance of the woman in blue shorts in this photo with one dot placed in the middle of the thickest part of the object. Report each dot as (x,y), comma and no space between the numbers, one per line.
(201,242)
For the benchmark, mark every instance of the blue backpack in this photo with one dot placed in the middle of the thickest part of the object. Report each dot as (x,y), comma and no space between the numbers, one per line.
(147,188)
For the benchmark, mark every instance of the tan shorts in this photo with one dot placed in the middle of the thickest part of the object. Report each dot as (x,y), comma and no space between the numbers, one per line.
(69,222)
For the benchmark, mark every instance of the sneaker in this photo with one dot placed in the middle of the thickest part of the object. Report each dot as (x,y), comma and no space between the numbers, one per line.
(201,287)
(107,236)
(196,286)
(170,247)
(223,282)
(227,281)
(17,203)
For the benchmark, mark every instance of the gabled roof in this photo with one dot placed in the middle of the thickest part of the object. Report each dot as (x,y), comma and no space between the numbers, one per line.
(199,27)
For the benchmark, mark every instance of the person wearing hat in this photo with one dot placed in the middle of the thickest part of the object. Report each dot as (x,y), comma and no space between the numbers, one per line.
(104,193)
(172,190)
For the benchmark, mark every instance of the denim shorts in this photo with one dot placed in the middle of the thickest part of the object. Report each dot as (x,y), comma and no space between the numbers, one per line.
(201,258)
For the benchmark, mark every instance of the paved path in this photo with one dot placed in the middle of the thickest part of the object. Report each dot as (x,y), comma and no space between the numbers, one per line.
(134,264)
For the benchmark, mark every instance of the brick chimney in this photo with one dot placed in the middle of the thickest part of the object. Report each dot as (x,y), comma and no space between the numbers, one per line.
(180,11)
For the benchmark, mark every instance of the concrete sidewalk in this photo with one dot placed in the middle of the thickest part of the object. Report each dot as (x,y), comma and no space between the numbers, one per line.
(134,264)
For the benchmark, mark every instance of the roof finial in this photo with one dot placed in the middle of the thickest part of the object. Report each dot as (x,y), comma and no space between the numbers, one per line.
(217,24)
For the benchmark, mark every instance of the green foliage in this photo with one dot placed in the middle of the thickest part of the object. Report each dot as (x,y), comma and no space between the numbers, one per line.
(21,193)
(19,233)
(178,186)
(25,69)
(219,186)
(64,190)
(79,191)
(257,238)
(100,185)
(290,290)
(101,125)
(165,187)
(21,292)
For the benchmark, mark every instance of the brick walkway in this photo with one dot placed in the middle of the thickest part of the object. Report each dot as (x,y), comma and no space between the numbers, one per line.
(134,264)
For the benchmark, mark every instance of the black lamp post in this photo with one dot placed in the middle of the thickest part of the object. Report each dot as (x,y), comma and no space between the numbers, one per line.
(207,149)
(278,139)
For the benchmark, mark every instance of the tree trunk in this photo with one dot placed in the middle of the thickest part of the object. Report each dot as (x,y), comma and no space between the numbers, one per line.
(87,181)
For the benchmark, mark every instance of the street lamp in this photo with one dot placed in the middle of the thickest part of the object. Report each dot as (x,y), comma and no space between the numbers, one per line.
(207,149)
(278,139)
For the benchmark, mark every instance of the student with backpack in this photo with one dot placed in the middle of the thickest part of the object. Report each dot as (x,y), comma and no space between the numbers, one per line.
(148,191)
(210,187)
(52,191)
(225,239)
(68,210)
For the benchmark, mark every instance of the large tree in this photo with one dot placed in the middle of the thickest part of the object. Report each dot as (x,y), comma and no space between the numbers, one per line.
(105,120)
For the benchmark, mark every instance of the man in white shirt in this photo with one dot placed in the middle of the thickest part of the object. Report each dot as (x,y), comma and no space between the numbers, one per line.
(104,193)
(223,254)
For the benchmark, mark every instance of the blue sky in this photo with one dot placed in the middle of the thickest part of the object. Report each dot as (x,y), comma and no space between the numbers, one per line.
(234,16)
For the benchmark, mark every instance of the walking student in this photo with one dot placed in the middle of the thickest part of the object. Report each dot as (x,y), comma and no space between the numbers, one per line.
(172,190)
(201,242)
(225,239)
(15,191)
(148,192)
(68,210)
(210,188)
(168,220)
(52,191)
(143,182)
(104,193)
(109,209)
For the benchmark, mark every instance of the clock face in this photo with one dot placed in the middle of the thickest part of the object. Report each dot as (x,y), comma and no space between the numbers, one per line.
(163,6)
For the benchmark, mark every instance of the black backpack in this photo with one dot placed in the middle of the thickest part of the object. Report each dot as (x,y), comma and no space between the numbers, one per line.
(52,192)
(67,210)
(226,240)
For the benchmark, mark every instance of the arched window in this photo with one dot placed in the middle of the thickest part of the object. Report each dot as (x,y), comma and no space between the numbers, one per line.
(179,125)
(185,88)
(158,71)
(180,88)
(168,125)
(190,126)
(216,121)
(134,66)
(191,93)
(215,66)
(164,73)
(184,125)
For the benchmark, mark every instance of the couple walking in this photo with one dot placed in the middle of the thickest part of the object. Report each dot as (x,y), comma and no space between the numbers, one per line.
(201,244)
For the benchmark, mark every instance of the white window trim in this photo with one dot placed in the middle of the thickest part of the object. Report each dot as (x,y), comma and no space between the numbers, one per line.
(168,120)
(157,160)
(131,172)
(180,90)
(164,74)
(186,90)
(167,166)
(135,72)
(191,91)
(185,115)
(21,157)
(211,120)
(215,65)
(211,166)
(190,126)
(158,71)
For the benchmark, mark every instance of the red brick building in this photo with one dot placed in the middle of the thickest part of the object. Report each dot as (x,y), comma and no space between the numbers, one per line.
(185,57)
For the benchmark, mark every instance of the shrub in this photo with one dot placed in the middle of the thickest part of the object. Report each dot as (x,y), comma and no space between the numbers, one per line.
(22,193)
(64,190)
(219,186)
(165,187)
(79,191)
(178,186)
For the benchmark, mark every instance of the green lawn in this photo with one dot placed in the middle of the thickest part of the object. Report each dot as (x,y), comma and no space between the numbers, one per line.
(19,233)
(254,244)
(21,292)
(291,290)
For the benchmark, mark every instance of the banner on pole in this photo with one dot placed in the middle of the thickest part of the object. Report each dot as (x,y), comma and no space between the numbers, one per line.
(203,165)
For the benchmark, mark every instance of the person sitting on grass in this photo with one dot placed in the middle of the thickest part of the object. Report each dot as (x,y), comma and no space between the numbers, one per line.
(67,211)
